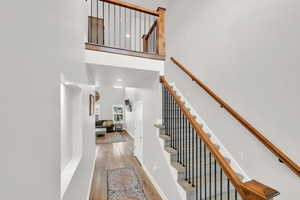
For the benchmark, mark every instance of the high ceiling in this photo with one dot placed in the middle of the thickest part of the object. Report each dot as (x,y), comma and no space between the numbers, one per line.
(116,76)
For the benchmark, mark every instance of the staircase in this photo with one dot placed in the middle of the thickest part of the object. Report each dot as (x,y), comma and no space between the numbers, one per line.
(204,171)
(211,177)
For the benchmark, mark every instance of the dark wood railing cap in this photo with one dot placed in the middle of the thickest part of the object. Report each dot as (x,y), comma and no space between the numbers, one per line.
(132,6)
(254,188)
(147,35)
(161,8)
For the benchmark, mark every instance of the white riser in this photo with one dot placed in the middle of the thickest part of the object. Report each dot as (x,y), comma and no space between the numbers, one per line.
(188,188)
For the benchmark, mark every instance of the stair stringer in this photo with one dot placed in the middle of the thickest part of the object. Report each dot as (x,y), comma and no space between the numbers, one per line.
(173,171)
(234,165)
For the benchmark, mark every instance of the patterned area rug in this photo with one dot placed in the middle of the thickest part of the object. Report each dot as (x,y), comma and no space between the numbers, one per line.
(123,184)
(113,138)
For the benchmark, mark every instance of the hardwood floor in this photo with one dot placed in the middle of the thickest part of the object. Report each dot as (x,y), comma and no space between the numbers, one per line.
(118,155)
(109,136)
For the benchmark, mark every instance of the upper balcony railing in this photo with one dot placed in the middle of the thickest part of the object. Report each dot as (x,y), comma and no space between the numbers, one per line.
(124,28)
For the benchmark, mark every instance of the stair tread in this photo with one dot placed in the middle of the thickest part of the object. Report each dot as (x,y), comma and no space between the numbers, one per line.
(208,134)
(181,136)
(218,147)
(217,196)
(174,154)
(160,126)
(186,186)
(218,180)
(164,137)
(170,150)
(180,167)
(191,191)
(191,155)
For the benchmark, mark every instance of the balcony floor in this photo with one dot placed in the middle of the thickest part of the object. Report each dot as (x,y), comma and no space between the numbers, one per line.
(96,47)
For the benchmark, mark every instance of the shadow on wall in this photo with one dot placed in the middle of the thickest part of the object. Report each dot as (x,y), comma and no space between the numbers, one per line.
(254,72)
(77,141)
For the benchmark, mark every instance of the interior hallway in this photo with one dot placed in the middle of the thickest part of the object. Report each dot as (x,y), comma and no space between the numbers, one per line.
(118,155)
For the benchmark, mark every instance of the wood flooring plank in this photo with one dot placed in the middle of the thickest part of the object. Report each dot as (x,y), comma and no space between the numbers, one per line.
(118,155)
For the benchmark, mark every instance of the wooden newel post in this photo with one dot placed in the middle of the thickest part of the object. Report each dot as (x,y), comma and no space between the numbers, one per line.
(160,32)
(253,190)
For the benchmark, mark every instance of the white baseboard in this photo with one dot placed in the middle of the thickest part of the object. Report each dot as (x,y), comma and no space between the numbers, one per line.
(153,181)
(92,175)
(173,171)
(129,133)
(68,173)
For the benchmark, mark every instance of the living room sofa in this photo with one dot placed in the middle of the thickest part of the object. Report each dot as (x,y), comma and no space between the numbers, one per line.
(108,124)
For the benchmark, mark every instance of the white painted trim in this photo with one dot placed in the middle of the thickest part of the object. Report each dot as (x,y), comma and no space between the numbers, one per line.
(129,133)
(153,181)
(67,174)
(117,60)
(92,175)
(173,171)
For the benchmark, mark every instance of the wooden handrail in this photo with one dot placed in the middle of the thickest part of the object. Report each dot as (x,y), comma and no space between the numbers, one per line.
(132,6)
(147,35)
(251,190)
(277,152)
(160,43)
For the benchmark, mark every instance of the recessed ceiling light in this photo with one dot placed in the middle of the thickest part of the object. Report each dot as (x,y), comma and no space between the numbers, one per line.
(128,35)
(118,87)
(119,79)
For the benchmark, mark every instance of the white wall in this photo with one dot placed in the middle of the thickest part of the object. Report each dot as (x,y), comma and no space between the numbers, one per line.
(247,53)
(109,96)
(41,40)
(73,31)
(71,130)
(153,158)
(134,95)
(117,60)
(30,66)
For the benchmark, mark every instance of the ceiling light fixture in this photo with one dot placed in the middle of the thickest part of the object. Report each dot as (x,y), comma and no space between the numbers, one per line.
(128,35)
(119,79)
(118,87)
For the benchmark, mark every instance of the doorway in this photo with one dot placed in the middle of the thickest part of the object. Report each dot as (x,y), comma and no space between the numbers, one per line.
(138,135)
